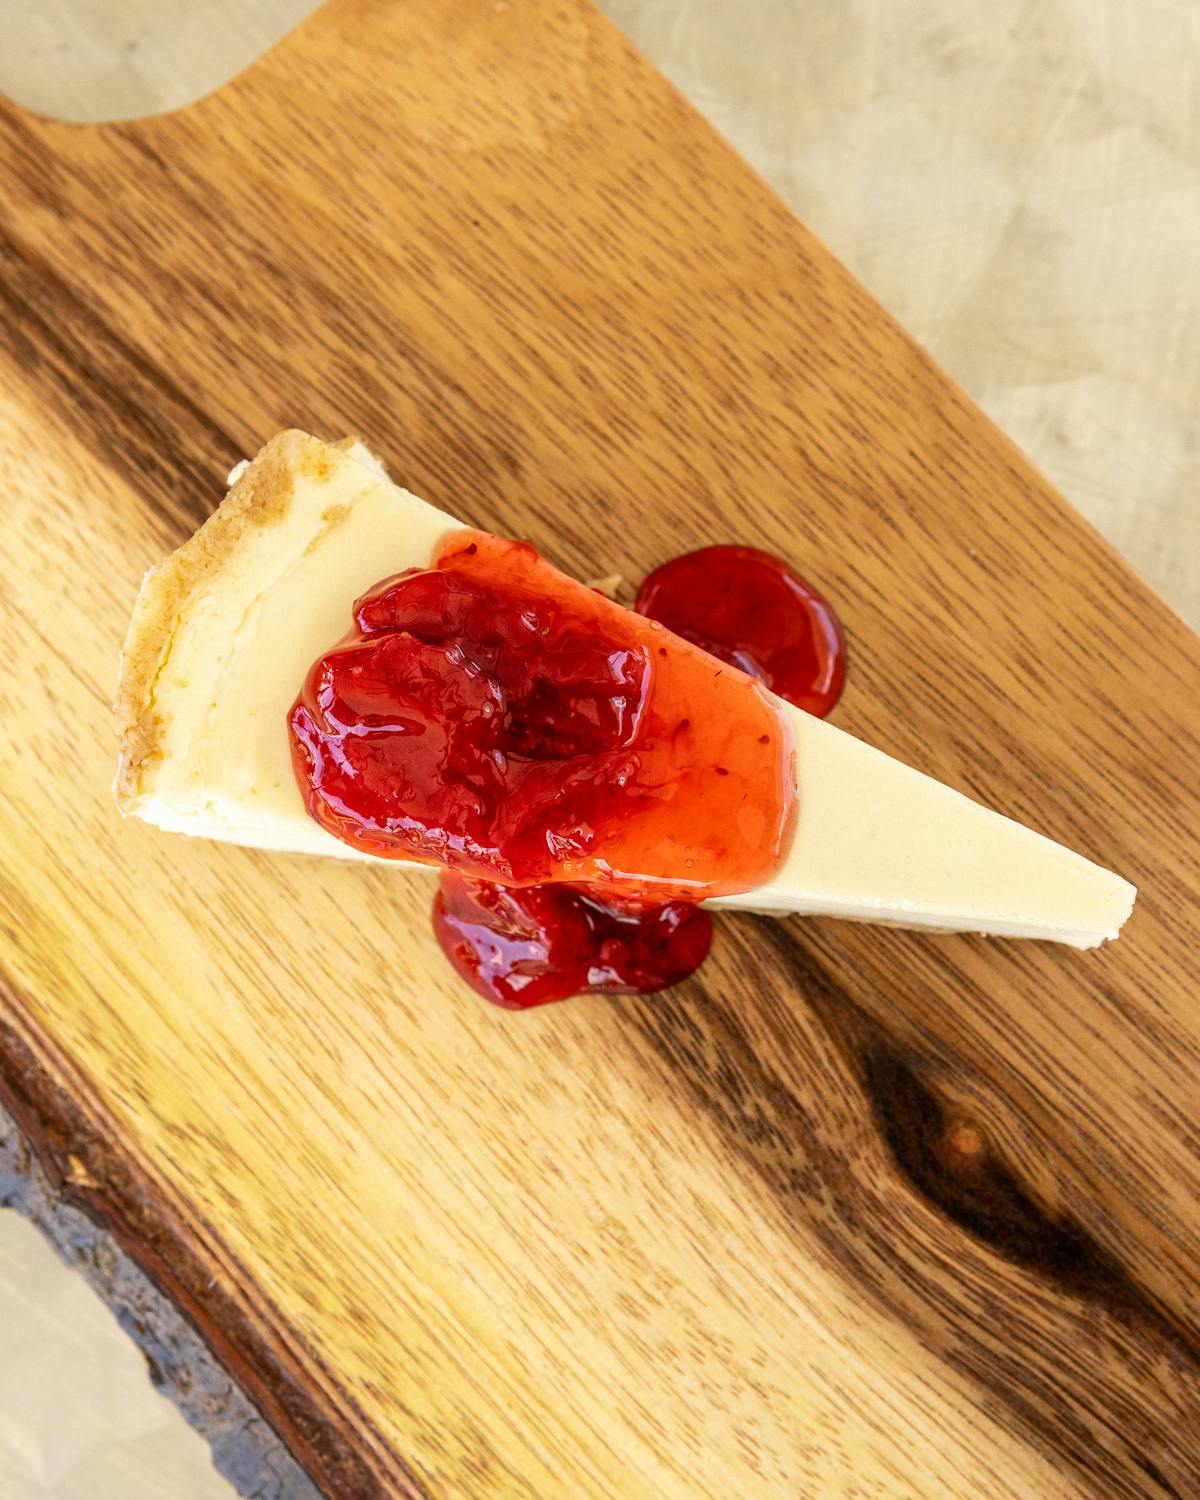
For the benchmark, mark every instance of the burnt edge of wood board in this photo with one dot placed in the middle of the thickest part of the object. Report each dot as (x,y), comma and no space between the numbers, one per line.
(73,1138)
(245,1449)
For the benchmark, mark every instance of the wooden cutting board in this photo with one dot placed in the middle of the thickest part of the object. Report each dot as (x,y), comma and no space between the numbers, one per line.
(855,1213)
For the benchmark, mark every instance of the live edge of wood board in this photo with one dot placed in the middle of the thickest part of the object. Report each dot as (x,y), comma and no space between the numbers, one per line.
(855,1212)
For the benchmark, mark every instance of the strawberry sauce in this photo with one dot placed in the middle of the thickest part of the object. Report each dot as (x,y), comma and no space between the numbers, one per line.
(754,611)
(525,946)
(582,775)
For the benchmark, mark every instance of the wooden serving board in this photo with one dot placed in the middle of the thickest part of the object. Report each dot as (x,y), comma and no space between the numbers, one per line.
(857,1212)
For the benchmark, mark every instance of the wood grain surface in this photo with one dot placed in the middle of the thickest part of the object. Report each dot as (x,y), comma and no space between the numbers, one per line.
(857,1212)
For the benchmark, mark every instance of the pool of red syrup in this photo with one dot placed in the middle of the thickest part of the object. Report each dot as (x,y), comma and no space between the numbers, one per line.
(528,945)
(582,775)
(755,611)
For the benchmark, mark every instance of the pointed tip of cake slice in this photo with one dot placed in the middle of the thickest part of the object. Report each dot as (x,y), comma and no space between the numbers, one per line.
(878,841)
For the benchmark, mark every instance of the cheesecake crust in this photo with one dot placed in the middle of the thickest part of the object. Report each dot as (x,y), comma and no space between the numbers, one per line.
(261,497)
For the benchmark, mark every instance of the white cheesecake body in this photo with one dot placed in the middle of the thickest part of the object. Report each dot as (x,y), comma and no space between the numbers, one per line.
(225,629)
(876,841)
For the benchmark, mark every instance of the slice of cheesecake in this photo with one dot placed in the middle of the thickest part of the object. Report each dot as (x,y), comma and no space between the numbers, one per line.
(225,629)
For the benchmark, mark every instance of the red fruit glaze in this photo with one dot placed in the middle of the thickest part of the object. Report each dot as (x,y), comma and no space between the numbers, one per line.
(493,716)
(525,947)
(754,611)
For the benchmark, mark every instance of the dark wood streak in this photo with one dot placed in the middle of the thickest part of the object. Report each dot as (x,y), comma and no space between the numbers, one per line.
(947,1157)
(773,1121)
(944,1157)
(67,1127)
(145,428)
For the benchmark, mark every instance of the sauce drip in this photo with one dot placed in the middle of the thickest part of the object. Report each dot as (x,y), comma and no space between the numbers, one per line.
(530,945)
(751,609)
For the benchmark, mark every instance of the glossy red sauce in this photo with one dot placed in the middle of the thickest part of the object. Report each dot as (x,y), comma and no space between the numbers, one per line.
(526,946)
(582,775)
(493,716)
(751,609)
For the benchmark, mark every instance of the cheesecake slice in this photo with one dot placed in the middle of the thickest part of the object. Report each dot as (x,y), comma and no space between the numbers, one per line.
(226,628)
